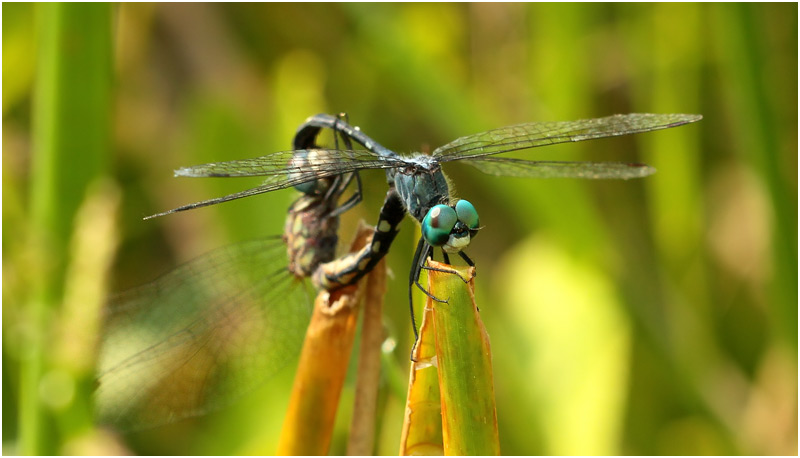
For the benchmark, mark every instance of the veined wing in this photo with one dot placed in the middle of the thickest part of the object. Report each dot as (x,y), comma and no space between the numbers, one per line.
(199,337)
(510,167)
(530,135)
(282,171)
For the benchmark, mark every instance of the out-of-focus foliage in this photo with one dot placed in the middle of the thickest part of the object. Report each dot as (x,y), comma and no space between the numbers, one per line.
(656,316)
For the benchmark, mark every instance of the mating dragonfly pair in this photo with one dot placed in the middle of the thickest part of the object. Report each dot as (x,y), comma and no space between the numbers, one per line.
(202,335)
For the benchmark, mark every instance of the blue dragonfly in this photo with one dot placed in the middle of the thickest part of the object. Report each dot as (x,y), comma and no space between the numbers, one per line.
(420,186)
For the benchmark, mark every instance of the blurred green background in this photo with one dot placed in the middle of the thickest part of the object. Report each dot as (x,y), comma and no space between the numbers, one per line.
(656,316)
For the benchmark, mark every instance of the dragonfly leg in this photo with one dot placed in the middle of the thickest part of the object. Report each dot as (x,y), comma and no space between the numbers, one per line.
(423,251)
(412,276)
(427,293)
(339,123)
(420,255)
(306,139)
(343,117)
(337,186)
(353,200)
(471,264)
(466,258)
(447,261)
(447,271)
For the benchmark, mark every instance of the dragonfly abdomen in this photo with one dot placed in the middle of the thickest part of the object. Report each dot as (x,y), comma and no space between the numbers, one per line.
(310,234)
(350,268)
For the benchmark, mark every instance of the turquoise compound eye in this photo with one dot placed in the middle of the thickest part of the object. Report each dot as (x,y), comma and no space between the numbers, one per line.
(467,214)
(437,224)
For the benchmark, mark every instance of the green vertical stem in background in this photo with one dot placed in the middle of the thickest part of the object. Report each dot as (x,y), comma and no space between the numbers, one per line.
(760,117)
(668,43)
(677,213)
(464,357)
(562,90)
(71,132)
(673,191)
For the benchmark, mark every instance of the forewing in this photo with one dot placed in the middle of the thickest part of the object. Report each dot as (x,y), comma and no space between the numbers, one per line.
(535,134)
(558,169)
(326,161)
(200,336)
(281,171)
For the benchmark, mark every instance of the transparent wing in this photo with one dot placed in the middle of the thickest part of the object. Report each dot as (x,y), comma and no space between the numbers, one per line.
(535,134)
(325,161)
(558,169)
(199,337)
(282,170)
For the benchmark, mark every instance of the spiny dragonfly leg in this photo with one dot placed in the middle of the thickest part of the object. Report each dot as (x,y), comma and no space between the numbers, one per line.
(355,199)
(422,288)
(305,138)
(420,257)
(418,264)
(422,246)
(447,271)
(413,275)
(447,261)
(351,201)
(341,119)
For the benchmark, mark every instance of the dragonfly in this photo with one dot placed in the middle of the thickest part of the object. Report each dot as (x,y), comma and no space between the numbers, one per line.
(420,185)
(203,335)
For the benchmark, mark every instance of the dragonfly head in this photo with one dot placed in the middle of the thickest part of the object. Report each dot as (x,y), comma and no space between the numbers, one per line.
(450,227)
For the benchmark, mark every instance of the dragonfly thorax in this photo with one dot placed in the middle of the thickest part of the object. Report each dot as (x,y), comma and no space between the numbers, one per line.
(421,187)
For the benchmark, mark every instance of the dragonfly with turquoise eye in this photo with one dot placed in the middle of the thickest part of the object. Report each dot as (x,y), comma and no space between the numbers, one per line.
(418,180)
(199,337)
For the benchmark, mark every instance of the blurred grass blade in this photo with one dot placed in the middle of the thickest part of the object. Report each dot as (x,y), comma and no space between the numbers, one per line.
(308,426)
(71,112)
(71,131)
(422,423)
(362,427)
(77,325)
(469,415)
